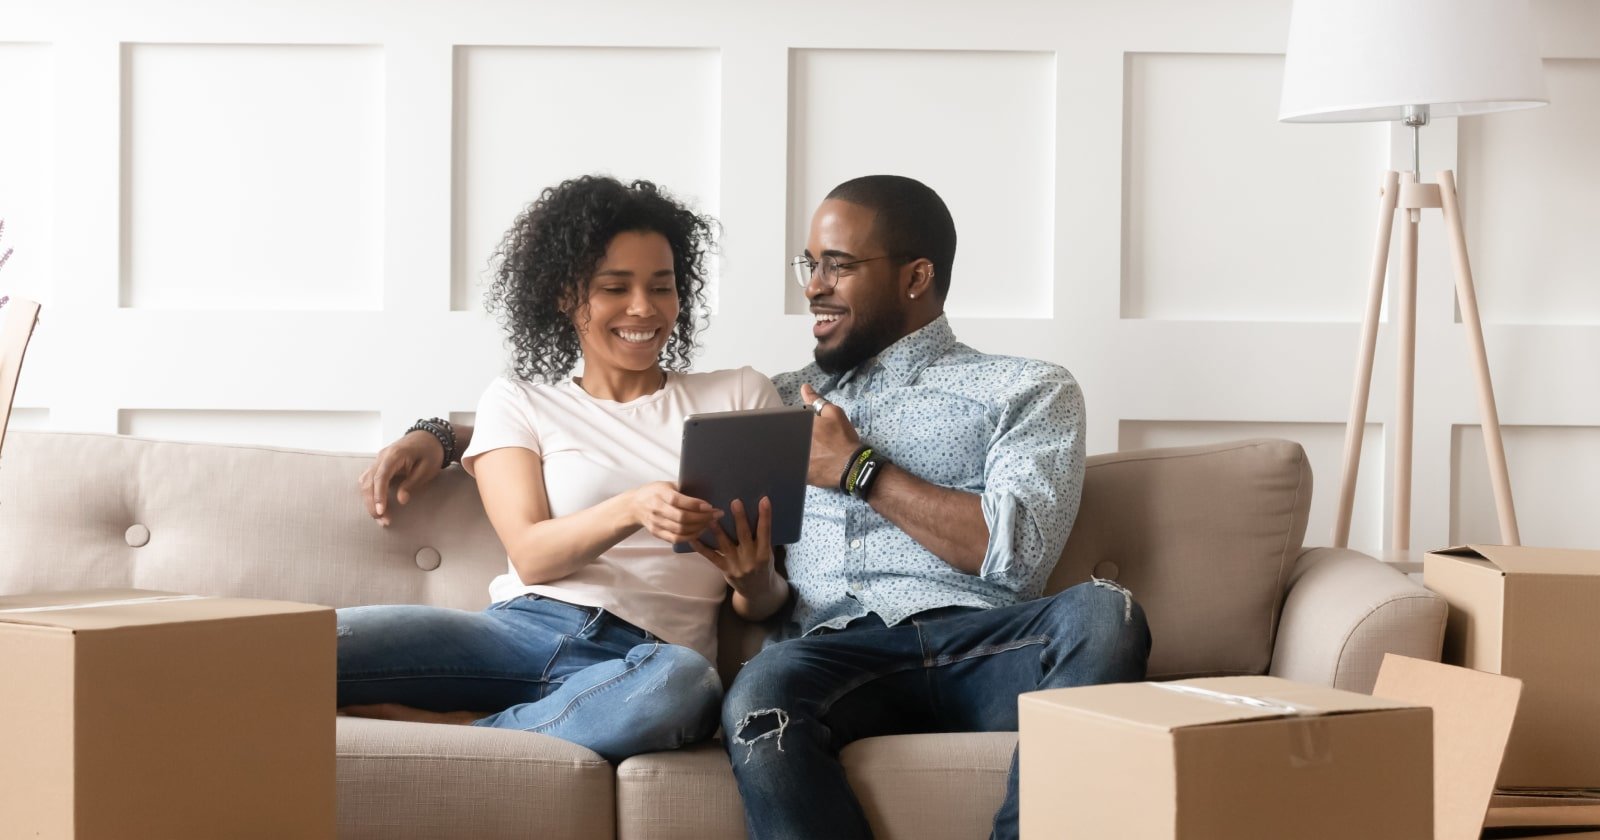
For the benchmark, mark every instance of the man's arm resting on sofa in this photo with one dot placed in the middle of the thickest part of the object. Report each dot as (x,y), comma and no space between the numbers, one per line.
(1344,611)
(407,466)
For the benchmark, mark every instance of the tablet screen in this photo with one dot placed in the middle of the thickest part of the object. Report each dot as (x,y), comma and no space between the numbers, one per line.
(745,455)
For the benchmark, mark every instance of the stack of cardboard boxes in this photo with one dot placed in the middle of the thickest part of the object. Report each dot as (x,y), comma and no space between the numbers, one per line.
(1258,757)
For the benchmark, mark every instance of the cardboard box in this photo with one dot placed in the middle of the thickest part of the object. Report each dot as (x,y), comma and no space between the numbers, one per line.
(141,715)
(1234,758)
(1534,614)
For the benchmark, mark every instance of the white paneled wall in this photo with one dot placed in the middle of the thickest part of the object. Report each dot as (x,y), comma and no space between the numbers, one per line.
(977,126)
(527,117)
(271,223)
(25,163)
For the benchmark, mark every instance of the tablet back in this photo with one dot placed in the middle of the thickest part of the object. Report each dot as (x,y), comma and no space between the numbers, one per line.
(745,455)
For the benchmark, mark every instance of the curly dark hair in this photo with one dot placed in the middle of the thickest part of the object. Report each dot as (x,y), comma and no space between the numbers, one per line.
(543,266)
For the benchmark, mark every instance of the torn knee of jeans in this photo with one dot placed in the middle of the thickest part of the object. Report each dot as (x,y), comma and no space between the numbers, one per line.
(342,631)
(759,725)
(1127,597)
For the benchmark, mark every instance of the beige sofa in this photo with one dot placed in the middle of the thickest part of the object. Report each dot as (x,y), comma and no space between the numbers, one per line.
(1208,538)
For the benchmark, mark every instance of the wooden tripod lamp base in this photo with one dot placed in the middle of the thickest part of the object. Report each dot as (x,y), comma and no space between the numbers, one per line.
(1403,192)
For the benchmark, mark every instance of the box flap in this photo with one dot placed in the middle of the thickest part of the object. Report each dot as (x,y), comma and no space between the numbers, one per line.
(1203,702)
(1513,810)
(1526,560)
(103,609)
(1472,715)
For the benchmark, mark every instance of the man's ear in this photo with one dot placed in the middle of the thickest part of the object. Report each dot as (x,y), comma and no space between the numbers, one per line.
(921,283)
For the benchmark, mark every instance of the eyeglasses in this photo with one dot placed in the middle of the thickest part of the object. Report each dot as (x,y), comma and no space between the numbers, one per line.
(805,268)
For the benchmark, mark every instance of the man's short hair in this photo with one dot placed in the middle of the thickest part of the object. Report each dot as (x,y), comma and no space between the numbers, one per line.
(912,221)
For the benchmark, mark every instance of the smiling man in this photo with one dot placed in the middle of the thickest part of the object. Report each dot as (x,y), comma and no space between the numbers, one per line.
(944,482)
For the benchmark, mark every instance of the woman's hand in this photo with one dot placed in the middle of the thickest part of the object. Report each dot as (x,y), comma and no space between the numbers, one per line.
(668,515)
(747,564)
(414,461)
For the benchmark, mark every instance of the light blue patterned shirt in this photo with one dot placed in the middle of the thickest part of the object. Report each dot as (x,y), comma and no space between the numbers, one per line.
(1009,430)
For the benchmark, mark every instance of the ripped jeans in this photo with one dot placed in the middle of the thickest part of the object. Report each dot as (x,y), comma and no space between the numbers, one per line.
(580,674)
(957,669)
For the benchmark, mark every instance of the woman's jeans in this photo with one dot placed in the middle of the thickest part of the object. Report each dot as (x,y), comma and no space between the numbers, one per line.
(536,664)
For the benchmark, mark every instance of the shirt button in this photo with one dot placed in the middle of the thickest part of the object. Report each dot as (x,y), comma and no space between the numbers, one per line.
(856,544)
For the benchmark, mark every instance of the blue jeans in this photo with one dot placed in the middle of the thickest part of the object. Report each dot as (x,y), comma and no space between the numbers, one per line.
(957,669)
(540,665)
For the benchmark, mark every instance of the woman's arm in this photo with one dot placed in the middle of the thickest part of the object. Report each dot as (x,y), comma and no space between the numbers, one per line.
(410,464)
(542,548)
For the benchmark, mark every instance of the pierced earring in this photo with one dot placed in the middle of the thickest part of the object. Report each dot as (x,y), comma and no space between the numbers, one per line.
(913,295)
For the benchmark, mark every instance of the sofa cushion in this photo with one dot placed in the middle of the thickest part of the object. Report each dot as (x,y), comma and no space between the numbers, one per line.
(1205,538)
(418,780)
(931,787)
(686,794)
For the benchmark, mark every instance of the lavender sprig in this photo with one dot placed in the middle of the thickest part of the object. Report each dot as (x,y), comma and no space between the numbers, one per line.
(3,257)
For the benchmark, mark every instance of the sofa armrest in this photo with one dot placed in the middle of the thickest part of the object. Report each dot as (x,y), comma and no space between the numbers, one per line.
(1345,610)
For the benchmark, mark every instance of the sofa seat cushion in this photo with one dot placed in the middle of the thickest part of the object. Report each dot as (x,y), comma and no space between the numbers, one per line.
(930,787)
(419,780)
(686,794)
(1205,537)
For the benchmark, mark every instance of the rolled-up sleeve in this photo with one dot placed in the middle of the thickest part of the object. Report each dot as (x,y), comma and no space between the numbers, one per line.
(1033,478)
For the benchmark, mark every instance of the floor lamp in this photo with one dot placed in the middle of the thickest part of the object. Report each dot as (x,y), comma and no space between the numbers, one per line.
(1411,61)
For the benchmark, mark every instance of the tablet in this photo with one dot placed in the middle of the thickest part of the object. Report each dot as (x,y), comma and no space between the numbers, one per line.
(745,455)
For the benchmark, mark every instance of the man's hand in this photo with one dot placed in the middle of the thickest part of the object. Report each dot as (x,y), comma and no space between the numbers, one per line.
(413,460)
(833,441)
(669,515)
(746,562)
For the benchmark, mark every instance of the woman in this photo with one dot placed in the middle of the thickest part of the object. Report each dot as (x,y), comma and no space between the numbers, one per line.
(595,609)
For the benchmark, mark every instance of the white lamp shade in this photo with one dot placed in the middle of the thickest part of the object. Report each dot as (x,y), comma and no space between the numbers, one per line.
(1366,60)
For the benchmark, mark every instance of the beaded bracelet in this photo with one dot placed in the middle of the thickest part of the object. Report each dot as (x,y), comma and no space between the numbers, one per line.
(441,431)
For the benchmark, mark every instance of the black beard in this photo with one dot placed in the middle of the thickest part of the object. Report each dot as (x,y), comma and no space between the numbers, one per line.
(869,338)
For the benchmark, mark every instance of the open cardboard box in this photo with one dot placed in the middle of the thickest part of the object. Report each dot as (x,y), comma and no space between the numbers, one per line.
(1531,613)
(1472,720)
(1247,757)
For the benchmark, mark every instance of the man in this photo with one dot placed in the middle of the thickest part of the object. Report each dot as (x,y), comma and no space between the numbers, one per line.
(944,482)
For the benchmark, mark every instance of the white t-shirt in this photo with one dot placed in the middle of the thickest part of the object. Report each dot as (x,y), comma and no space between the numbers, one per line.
(594,449)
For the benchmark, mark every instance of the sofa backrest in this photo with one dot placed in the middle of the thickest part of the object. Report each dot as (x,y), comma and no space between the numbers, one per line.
(88,510)
(1203,536)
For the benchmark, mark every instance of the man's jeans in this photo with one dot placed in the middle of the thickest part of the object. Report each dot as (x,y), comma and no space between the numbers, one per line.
(957,669)
(578,673)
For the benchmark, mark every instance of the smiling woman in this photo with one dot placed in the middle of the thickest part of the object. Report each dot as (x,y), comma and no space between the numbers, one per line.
(574,473)
(559,256)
